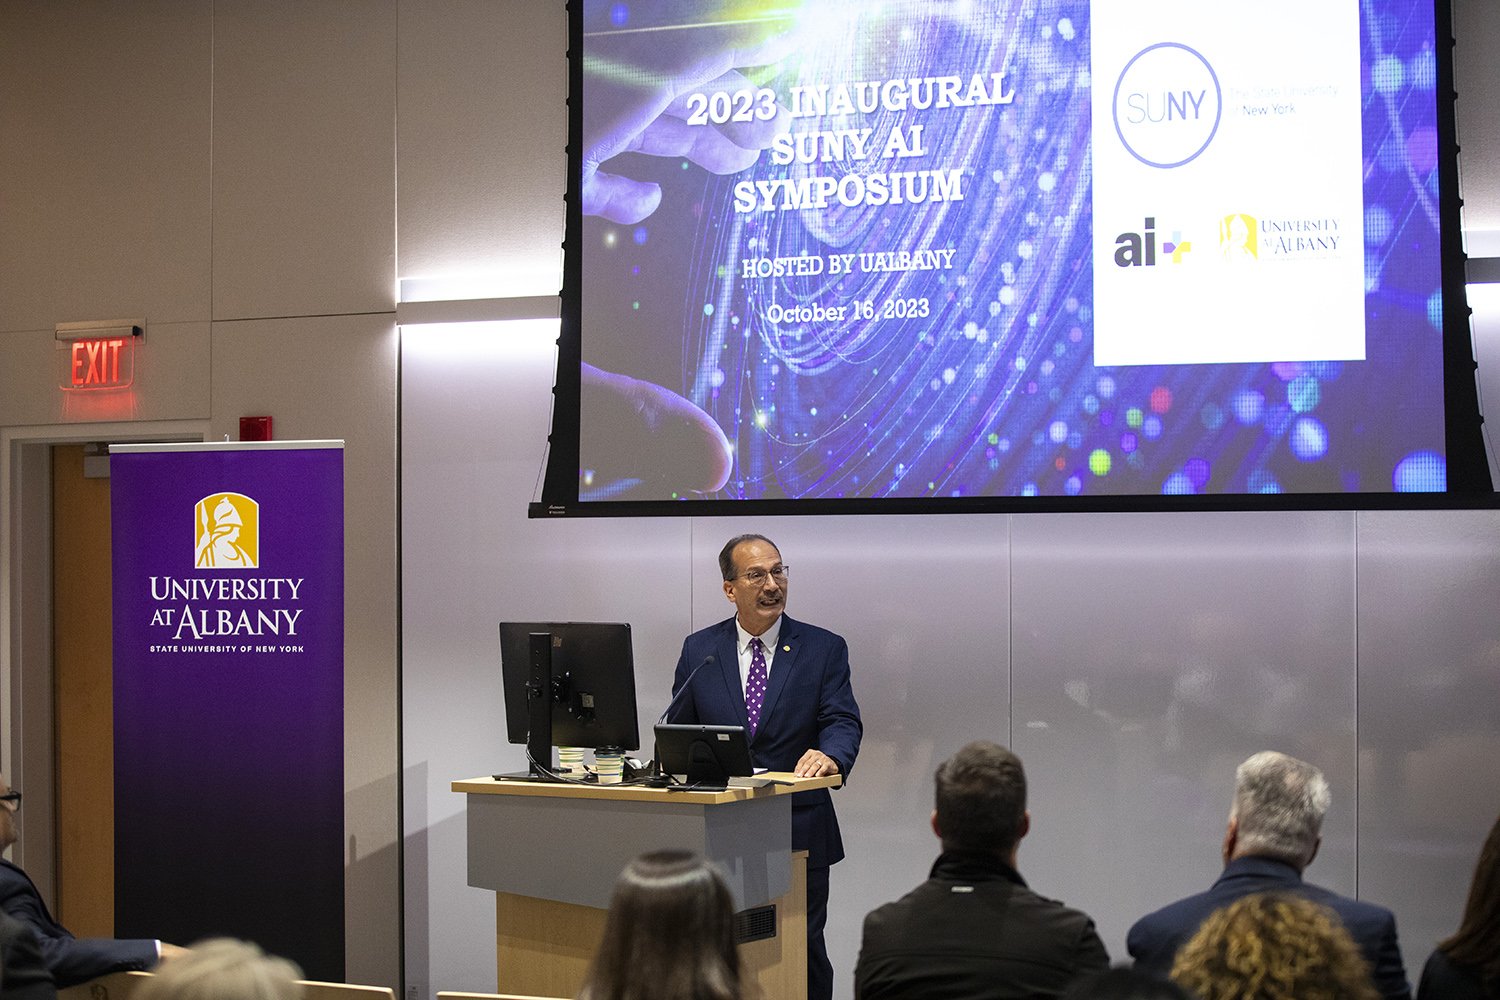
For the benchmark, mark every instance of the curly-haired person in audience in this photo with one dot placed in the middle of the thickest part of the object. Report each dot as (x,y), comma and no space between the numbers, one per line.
(669,935)
(223,969)
(1466,966)
(1273,946)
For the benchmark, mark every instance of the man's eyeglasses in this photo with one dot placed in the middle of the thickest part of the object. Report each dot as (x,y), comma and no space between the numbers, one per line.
(14,798)
(756,577)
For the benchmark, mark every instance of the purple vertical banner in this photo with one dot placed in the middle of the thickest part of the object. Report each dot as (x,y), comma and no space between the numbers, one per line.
(229,695)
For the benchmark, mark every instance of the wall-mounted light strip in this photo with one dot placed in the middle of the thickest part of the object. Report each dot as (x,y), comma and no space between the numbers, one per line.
(477,310)
(1483,271)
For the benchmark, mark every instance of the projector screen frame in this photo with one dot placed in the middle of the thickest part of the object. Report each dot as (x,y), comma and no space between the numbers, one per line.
(1468,478)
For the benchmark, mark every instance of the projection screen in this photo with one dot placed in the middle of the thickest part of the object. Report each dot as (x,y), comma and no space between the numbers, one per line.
(842,255)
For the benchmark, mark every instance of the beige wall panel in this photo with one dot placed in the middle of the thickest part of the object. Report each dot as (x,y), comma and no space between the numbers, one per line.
(28,388)
(1476,25)
(482,131)
(303,163)
(171,380)
(1429,732)
(323,378)
(105,162)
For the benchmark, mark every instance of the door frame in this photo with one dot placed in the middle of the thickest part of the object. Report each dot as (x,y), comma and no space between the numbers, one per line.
(27,753)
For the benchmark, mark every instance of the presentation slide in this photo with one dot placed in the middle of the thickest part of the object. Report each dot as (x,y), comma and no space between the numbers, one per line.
(984,248)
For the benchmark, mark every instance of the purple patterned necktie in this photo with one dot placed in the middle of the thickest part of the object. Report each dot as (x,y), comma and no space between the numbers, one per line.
(755,686)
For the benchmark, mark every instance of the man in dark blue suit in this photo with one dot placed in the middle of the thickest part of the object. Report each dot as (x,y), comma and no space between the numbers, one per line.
(800,714)
(1274,831)
(70,960)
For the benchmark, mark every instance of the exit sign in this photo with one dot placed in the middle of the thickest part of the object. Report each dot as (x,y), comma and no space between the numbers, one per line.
(101,364)
(98,355)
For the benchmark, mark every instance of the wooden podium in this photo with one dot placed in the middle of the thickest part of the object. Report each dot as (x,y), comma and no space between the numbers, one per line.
(552,853)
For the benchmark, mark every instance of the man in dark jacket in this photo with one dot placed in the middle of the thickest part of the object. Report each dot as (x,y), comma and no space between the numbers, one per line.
(70,960)
(974,929)
(1275,828)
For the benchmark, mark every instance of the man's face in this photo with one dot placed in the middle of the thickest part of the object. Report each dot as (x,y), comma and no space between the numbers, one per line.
(758,601)
(7,819)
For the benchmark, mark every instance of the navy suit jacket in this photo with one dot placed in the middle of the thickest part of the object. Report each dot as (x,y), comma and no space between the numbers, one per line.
(1154,940)
(71,960)
(809,705)
(25,975)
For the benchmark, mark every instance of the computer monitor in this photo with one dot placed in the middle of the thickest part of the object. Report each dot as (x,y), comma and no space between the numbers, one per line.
(568,684)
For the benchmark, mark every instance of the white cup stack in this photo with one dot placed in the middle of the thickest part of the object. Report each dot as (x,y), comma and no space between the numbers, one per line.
(609,765)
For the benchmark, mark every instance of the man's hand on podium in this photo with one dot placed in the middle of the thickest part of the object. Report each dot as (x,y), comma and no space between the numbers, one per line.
(815,764)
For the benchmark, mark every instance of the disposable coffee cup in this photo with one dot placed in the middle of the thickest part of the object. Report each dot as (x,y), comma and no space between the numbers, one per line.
(608,766)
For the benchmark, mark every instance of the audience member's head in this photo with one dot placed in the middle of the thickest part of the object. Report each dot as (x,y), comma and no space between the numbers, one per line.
(981,800)
(1477,943)
(11,802)
(1123,983)
(223,969)
(1279,805)
(669,934)
(1272,946)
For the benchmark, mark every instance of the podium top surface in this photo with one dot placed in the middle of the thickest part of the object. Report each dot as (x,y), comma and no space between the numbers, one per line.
(488,785)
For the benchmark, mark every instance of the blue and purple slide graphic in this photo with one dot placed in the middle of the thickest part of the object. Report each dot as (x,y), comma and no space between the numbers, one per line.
(992,248)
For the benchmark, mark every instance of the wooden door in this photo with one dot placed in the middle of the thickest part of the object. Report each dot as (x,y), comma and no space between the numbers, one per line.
(83,706)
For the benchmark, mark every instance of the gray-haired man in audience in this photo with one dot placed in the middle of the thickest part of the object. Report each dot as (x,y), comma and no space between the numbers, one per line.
(1275,827)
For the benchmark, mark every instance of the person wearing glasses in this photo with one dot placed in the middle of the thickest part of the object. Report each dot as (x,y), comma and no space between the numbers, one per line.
(71,960)
(787,683)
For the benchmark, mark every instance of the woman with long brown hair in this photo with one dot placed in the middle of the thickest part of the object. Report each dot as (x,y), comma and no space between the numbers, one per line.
(669,934)
(1466,966)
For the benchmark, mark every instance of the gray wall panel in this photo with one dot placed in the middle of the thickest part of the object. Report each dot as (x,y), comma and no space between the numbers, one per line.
(311,375)
(1484,300)
(105,161)
(476,401)
(304,161)
(1429,713)
(1476,25)
(1153,653)
(481,146)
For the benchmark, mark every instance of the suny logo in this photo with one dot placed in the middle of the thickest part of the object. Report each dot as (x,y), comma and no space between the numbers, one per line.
(1167,105)
(1140,249)
(227,532)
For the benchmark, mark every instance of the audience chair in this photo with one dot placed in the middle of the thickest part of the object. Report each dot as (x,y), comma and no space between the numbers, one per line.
(457,995)
(113,986)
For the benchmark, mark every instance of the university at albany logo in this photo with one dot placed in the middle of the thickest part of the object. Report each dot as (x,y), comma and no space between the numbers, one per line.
(226,532)
(1237,237)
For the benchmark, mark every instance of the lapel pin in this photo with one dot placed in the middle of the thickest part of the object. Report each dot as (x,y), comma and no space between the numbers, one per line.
(786,649)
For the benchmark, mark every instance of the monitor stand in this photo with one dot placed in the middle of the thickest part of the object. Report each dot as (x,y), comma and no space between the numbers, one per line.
(539,697)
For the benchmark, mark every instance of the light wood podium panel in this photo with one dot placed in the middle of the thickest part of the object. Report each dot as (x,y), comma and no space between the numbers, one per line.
(552,854)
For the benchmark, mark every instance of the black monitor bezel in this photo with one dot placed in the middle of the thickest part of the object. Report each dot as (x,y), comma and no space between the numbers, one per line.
(596,657)
(728,746)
